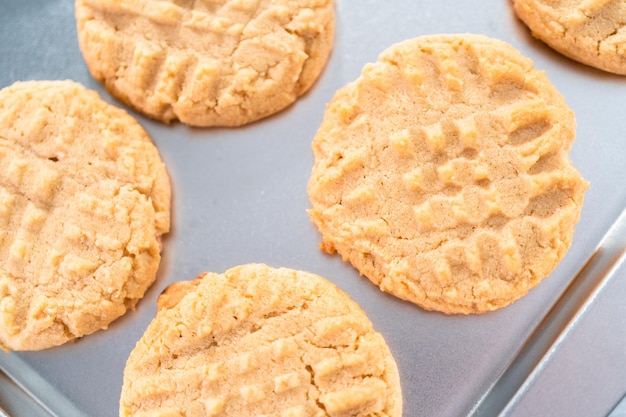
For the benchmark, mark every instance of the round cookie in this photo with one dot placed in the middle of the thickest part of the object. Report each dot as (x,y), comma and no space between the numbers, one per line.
(588,31)
(442,173)
(258,341)
(206,63)
(84,200)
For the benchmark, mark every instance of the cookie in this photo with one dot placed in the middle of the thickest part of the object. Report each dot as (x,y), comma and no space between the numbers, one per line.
(442,173)
(84,201)
(259,341)
(588,31)
(206,63)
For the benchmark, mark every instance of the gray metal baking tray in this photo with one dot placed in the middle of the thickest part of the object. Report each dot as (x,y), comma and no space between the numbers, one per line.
(240,196)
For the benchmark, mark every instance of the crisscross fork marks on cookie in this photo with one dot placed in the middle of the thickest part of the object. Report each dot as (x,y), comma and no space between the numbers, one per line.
(27,193)
(450,149)
(274,342)
(480,194)
(165,66)
(528,139)
(37,182)
(247,58)
(84,200)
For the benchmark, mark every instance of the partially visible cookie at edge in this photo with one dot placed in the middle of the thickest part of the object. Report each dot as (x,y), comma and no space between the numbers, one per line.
(204,63)
(442,173)
(589,31)
(84,202)
(255,341)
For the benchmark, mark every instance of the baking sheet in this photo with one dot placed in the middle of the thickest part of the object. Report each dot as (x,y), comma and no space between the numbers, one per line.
(240,197)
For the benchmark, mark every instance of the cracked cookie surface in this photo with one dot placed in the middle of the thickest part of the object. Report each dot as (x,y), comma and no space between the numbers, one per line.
(442,174)
(206,63)
(259,341)
(589,31)
(84,200)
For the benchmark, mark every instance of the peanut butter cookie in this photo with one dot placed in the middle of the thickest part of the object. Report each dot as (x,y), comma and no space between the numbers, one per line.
(206,63)
(590,31)
(258,341)
(442,173)
(84,201)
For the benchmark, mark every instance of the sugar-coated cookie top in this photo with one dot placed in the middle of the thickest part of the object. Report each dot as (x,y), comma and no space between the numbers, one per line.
(442,173)
(259,341)
(206,63)
(84,200)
